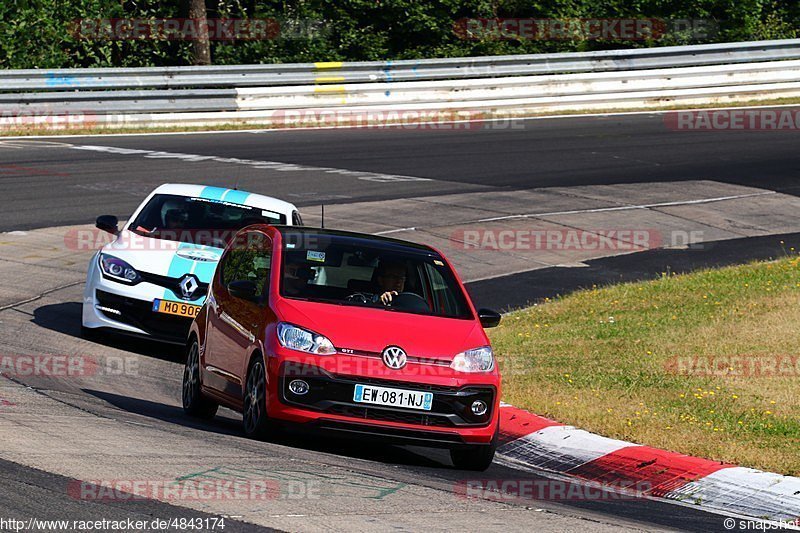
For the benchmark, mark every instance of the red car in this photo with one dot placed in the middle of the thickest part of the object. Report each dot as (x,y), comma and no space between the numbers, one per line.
(355,334)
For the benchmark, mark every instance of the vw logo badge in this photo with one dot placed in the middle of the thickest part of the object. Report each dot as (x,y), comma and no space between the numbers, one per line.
(188,285)
(394,357)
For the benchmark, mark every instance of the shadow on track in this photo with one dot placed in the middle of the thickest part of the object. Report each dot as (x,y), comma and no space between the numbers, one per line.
(66,318)
(228,423)
(522,290)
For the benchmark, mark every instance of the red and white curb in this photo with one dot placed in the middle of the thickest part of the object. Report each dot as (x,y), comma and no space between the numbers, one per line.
(531,441)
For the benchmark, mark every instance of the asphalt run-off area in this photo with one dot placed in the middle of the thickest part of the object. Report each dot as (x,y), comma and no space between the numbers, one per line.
(525,209)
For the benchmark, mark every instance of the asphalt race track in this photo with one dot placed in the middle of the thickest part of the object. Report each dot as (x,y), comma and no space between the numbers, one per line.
(735,193)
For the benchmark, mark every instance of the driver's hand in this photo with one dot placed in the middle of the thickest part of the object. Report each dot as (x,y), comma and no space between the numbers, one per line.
(386,297)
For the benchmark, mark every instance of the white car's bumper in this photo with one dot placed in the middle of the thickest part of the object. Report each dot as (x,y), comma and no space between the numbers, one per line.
(128,309)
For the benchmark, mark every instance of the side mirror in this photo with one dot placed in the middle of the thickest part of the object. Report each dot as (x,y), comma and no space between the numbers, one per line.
(489,318)
(107,223)
(243,289)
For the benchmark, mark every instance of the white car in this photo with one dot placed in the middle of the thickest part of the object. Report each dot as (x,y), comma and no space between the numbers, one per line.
(152,278)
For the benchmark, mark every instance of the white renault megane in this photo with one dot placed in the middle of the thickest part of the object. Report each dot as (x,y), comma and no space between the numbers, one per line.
(152,278)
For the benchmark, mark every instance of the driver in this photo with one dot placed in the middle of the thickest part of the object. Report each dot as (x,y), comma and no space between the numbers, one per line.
(295,279)
(391,278)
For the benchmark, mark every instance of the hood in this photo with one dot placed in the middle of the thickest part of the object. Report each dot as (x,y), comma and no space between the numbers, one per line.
(372,330)
(165,258)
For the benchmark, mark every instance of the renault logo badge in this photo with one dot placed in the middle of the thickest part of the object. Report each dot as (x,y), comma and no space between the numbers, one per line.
(188,285)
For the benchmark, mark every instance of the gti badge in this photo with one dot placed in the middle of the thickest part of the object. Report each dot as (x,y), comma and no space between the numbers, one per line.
(394,357)
(188,285)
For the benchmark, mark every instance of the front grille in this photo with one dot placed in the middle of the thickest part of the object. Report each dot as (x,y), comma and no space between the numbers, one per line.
(139,314)
(173,284)
(333,394)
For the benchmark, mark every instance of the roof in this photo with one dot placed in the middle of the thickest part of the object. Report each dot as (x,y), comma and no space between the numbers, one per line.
(387,242)
(227,195)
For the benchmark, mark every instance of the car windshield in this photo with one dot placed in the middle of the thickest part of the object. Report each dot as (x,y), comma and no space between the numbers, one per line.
(356,271)
(198,220)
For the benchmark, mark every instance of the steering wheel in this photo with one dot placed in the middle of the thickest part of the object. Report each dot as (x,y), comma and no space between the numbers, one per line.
(410,301)
(358,297)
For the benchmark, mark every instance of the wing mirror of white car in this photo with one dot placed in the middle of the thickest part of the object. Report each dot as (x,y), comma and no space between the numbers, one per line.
(107,223)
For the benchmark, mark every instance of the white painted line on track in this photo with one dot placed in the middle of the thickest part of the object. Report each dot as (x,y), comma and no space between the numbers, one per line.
(398,230)
(277,166)
(630,207)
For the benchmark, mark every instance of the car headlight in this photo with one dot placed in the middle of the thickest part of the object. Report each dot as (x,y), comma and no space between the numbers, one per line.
(295,338)
(475,360)
(118,270)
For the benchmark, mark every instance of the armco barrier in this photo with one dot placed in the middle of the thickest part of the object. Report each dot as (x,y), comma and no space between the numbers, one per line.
(615,79)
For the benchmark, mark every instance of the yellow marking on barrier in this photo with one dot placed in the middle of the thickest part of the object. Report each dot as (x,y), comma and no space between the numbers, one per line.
(329,79)
(322,65)
(330,89)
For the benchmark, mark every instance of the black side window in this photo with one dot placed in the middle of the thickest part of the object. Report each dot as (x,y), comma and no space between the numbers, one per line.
(249,258)
(297,220)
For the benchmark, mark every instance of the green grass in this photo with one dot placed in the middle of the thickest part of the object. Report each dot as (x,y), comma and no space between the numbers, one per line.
(604,360)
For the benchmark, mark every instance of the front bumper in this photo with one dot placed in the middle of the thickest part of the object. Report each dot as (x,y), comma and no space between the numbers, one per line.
(128,309)
(329,405)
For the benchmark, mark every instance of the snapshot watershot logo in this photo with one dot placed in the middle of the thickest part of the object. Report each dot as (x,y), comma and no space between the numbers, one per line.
(550,490)
(188,29)
(734,120)
(736,366)
(581,29)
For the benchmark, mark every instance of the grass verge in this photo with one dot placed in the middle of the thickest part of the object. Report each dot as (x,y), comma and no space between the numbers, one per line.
(704,364)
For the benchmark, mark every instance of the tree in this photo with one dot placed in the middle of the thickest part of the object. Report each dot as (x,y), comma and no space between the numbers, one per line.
(201,48)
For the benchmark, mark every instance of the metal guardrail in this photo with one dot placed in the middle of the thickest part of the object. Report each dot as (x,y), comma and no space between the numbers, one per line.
(394,71)
(517,84)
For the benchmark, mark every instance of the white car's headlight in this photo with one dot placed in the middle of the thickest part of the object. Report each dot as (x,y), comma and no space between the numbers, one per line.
(475,360)
(117,269)
(296,338)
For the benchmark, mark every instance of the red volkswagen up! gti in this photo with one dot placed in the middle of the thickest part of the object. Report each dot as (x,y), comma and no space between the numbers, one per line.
(361,335)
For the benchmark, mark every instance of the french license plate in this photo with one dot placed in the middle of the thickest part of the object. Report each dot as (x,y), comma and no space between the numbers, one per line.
(176,308)
(393,397)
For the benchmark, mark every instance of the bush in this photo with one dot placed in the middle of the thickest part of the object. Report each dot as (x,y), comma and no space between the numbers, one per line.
(38,32)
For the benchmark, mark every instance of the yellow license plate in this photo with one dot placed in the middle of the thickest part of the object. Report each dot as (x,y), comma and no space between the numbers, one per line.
(176,308)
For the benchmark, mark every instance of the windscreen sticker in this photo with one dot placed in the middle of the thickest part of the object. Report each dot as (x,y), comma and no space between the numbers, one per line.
(438,263)
(261,263)
(290,245)
(315,256)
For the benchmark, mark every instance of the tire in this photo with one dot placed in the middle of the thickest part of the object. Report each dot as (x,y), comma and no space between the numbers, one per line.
(254,410)
(476,458)
(194,402)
